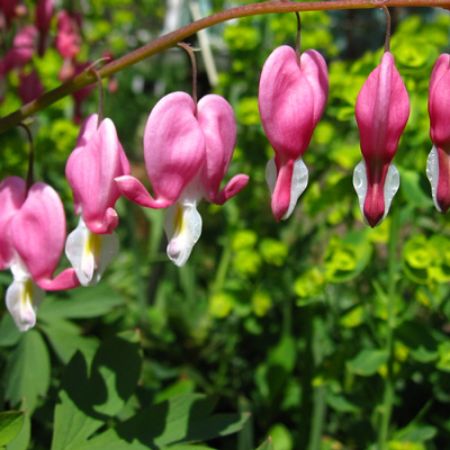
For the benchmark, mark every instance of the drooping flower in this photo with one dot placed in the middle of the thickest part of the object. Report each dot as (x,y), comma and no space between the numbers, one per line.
(68,39)
(44,14)
(30,86)
(187,150)
(382,110)
(293,91)
(12,196)
(24,46)
(31,245)
(91,168)
(438,164)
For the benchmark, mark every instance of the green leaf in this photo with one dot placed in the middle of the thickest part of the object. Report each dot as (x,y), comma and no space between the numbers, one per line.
(28,371)
(266,445)
(367,362)
(65,339)
(73,422)
(411,189)
(85,397)
(186,418)
(11,422)
(416,433)
(9,333)
(341,404)
(82,304)
(22,440)
(118,362)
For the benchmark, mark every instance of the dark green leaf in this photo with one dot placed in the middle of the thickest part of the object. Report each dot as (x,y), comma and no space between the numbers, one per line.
(367,362)
(83,303)
(28,372)
(9,333)
(11,422)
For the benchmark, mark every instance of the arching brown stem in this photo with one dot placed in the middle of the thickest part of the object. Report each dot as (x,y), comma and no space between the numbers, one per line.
(171,39)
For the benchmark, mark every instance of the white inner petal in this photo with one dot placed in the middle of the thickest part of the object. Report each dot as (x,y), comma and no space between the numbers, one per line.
(298,183)
(360,184)
(433,174)
(271,174)
(391,186)
(23,298)
(90,253)
(183,227)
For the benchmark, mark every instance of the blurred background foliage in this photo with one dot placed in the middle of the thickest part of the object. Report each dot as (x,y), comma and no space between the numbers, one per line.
(287,321)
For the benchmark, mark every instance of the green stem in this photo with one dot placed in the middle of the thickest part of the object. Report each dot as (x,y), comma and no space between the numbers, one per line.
(389,389)
(222,270)
(169,40)
(315,440)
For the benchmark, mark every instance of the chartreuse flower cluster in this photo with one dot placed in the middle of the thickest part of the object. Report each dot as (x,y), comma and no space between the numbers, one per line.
(188,146)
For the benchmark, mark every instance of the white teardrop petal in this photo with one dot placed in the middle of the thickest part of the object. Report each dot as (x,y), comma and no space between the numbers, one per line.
(183,227)
(271,174)
(433,174)
(391,186)
(22,301)
(360,184)
(298,185)
(90,253)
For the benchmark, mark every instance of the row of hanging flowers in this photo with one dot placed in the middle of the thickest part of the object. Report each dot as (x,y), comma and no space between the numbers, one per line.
(188,145)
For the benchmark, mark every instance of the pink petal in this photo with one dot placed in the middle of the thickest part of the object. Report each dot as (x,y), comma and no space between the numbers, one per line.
(443,184)
(30,86)
(217,121)
(134,190)
(91,168)
(23,48)
(287,104)
(38,232)
(232,188)
(68,39)
(281,196)
(12,196)
(174,146)
(382,110)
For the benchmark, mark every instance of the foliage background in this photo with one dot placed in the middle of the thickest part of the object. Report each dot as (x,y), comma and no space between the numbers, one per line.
(287,321)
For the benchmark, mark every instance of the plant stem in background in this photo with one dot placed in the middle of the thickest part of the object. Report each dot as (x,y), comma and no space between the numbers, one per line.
(388,396)
(169,40)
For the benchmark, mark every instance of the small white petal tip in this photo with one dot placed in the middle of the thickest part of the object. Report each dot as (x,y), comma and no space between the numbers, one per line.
(183,227)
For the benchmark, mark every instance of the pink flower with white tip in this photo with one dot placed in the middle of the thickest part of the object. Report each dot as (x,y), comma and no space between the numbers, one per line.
(187,150)
(91,168)
(438,165)
(382,110)
(33,230)
(293,90)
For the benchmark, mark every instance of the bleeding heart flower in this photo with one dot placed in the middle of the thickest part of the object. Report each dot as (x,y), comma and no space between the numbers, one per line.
(438,164)
(34,236)
(44,14)
(68,39)
(91,168)
(187,150)
(12,195)
(293,91)
(21,53)
(30,86)
(382,110)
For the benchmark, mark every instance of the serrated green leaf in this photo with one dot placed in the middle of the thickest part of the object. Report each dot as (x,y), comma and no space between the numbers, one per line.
(65,339)
(118,362)
(183,419)
(11,423)
(73,421)
(367,362)
(28,371)
(82,304)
